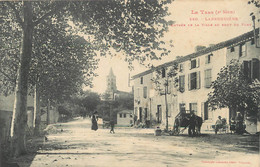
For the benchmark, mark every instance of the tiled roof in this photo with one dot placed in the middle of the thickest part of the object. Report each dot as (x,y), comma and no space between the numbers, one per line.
(229,43)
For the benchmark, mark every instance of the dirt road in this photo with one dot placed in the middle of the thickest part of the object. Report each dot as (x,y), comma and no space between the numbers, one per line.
(79,146)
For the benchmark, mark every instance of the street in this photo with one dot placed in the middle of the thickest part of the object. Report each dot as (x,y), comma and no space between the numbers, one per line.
(77,145)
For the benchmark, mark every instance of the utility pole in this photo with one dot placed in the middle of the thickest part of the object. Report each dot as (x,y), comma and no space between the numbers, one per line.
(166,104)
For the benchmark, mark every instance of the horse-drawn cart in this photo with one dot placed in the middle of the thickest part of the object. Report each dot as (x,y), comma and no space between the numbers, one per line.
(182,121)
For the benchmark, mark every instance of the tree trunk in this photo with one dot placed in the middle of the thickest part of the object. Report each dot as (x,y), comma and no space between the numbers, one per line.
(19,119)
(37,112)
(232,112)
(48,112)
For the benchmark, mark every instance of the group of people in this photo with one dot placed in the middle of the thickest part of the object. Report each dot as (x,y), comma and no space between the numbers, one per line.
(236,124)
(94,126)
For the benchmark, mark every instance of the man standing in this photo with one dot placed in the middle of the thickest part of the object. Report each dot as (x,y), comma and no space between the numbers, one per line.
(218,124)
(192,124)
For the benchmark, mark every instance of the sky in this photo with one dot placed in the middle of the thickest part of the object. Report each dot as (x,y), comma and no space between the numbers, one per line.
(199,29)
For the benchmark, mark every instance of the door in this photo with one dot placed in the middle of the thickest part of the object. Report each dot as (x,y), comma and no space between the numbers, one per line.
(159,114)
(140,114)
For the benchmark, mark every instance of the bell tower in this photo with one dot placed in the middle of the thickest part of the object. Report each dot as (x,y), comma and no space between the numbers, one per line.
(111,82)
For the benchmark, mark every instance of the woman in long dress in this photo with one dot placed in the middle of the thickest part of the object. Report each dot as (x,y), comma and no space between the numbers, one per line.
(94,123)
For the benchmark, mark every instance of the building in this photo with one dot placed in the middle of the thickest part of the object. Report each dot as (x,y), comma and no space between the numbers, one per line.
(125,118)
(6,113)
(196,72)
(112,94)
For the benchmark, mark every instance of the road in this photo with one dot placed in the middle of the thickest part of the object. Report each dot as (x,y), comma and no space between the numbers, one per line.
(77,145)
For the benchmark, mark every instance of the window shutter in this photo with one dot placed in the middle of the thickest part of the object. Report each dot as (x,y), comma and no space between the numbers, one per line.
(198,80)
(202,110)
(189,81)
(184,83)
(198,62)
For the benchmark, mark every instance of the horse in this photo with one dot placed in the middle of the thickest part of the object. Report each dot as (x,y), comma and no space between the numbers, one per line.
(183,120)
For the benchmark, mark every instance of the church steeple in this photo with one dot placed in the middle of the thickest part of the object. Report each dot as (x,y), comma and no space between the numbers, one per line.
(111,82)
(111,72)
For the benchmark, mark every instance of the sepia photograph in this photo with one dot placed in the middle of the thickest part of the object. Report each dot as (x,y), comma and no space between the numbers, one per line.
(129,83)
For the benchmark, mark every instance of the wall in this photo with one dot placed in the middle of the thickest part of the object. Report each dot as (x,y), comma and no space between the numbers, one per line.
(6,113)
(124,120)
(5,125)
(139,100)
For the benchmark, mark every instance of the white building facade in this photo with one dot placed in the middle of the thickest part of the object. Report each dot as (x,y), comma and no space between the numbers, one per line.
(196,72)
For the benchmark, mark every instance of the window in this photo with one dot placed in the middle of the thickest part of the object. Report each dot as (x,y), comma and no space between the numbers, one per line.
(181,68)
(145,92)
(242,50)
(194,80)
(182,83)
(193,64)
(252,41)
(207,78)
(246,66)
(120,115)
(124,115)
(141,80)
(193,107)
(207,59)
(182,108)
(163,72)
(232,49)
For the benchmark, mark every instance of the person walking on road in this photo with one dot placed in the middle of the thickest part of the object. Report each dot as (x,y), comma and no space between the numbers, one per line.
(94,122)
(112,125)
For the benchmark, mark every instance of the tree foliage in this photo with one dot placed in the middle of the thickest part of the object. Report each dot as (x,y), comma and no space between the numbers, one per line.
(88,101)
(170,78)
(231,89)
(133,27)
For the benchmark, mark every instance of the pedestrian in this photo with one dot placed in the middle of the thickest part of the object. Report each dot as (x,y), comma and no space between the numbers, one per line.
(232,125)
(112,125)
(192,125)
(218,124)
(94,122)
(239,123)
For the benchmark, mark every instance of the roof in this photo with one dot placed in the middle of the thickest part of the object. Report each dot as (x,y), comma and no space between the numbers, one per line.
(229,43)
(126,112)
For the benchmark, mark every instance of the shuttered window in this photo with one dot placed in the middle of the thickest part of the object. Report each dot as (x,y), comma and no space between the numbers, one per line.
(145,92)
(194,80)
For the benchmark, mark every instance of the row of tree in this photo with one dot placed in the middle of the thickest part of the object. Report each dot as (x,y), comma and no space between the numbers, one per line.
(85,103)
(42,53)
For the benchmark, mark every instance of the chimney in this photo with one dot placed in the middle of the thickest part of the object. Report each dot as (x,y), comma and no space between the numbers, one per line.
(199,47)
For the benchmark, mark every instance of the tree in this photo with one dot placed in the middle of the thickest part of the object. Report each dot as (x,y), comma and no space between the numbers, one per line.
(134,27)
(231,89)
(162,80)
(89,101)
